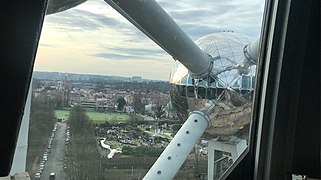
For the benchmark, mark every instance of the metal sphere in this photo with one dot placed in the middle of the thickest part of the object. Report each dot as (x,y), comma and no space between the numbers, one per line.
(225,95)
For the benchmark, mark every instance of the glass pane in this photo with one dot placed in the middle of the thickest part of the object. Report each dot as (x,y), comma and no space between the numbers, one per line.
(103,108)
(230,107)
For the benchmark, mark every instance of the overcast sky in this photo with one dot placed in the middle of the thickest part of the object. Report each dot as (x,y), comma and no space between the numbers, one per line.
(93,38)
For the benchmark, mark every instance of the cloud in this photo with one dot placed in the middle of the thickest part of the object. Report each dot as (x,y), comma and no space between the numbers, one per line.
(112,56)
(48,45)
(131,53)
(196,32)
(139,52)
(94,33)
(82,20)
(208,17)
(198,18)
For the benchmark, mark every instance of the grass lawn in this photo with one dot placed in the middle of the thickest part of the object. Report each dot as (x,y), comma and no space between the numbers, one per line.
(62,114)
(110,117)
(97,117)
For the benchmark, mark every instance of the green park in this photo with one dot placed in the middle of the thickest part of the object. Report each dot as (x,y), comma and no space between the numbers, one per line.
(96,117)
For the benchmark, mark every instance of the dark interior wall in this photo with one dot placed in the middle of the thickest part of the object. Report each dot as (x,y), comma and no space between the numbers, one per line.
(20,27)
(296,128)
(289,139)
(306,159)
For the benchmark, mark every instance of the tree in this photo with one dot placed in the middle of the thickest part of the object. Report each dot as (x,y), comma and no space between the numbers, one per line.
(120,103)
(41,123)
(138,106)
(159,111)
(54,100)
(179,104)
(83,160)
(78,119)
(142,151)
(176,127)
(134,120)
(100,86)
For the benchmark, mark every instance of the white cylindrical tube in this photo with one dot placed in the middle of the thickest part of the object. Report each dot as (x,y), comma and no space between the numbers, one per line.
(251,52)
(179,148)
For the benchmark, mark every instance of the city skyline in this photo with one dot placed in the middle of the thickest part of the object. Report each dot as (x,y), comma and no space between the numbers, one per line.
(93,38)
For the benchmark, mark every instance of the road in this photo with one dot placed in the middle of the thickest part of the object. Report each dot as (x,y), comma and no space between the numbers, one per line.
(57,154)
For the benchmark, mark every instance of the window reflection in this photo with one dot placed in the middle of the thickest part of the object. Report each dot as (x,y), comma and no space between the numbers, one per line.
(226,95)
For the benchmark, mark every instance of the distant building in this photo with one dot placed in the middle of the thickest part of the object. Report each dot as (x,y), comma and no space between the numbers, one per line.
(129,109)
(149,108)
(129,99)
(137,79)
(90,104)
(84,78)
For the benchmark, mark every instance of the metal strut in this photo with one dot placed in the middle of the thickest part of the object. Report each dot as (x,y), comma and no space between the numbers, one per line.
(179,148)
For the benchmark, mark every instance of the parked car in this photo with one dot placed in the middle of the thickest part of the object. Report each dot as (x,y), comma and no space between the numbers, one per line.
(52,176)
(37,176)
